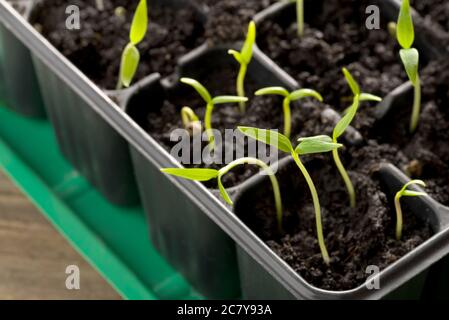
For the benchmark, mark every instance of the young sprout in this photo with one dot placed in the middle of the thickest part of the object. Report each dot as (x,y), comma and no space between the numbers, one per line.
(244,58)
(317,144)
(100,5)
(343,124)
(405,34)
(208,174)
(131,56)
(190,121)
(288,98)
(211,102)
(299,16)
(404,192)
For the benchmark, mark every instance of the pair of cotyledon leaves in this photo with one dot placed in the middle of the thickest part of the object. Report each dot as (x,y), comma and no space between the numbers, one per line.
(309,145)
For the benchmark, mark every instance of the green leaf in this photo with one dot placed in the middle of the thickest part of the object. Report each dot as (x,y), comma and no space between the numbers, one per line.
(355,88)
(202,91)
(224,193)
(139,24)
(405,32)
(317,144)
(247,50)
(192,174)
(304,93)
(279,91)
(236,55)
(228,99)
(410,59)
(269,137)
(369,97)
(129,63)
(409,193)
(344,123)
(413,182)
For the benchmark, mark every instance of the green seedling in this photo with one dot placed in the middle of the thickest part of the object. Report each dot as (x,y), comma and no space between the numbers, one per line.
(299,16)
(190,121)
(210,104)
(244,58)
(310,145)
(131,56)
(343,124)
(404,192)
(288,98)
(209,174)
(392,29)
(405,34)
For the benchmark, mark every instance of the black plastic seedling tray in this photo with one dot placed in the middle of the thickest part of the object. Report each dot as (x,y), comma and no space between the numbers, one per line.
(190,226)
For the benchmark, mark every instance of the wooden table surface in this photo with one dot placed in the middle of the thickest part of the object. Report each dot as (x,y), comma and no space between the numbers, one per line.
(34,256)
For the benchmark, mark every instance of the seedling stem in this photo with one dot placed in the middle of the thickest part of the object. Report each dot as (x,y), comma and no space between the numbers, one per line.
(190,121)
(299,16)
(416,105)
(131,56)
(100,5)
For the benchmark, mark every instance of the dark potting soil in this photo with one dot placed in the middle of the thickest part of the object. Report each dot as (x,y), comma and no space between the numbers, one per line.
(336,37)
(97,47)
(428,148)
(228,19)
(261,112)
(355,238)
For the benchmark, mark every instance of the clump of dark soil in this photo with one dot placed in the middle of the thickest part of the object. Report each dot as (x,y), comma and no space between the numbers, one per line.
(97,46)
(355,238)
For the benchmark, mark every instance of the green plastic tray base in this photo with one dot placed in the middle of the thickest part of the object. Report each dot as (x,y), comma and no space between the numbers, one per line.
(114,240)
